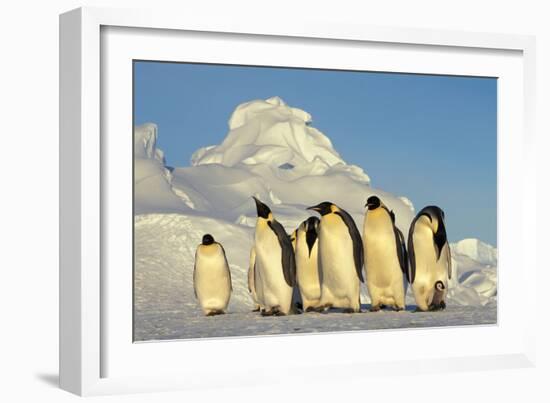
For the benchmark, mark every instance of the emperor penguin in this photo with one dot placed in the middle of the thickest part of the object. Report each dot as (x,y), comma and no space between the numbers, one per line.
(251,274)
(211,277)
(429,257)
(385,256)
(307,270)
(341,259)
(275,268)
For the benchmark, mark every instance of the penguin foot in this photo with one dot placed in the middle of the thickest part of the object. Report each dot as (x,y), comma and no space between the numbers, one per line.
(374,308)
(257,309)
(398,308)
(350,310)
(438,307)
(295,311)
(274,311)
(215,312)
(326,307)
(311,309)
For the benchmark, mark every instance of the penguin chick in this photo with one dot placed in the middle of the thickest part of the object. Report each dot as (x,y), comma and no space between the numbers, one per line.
(438,301)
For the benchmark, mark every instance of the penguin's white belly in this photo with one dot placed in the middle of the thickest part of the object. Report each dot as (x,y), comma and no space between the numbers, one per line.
(339,281)
(428,271)
(307,273)
(383,271)
(271,289)
(382,264)
(212,281)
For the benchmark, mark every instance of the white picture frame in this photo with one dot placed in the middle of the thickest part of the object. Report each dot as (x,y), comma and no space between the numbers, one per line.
(96,355)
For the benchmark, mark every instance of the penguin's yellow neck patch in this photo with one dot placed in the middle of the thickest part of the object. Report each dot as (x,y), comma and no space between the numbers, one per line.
(424,223)
(208,249)
(263,222)
(376,212)
(334,208)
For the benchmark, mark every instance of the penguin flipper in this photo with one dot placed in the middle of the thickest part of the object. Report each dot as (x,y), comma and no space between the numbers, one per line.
(250,278)
(287,252)
(410,251)
(227,265)
(251,269)
(356,240)
(447,253)
(440,238)
(401,250)
(194,282)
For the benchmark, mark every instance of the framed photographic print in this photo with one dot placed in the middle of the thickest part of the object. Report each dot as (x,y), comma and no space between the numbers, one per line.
(329,186)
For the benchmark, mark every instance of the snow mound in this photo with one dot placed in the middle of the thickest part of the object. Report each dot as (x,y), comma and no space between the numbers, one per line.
(152,180)
(271,151)
(476,250)
(474,279)
(272,133)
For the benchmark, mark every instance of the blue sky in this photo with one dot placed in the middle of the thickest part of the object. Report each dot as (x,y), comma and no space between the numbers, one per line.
(430,138)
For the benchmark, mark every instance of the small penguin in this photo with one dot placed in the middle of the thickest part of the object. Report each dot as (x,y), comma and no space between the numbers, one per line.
(341,259)
(275,268)
(212,277)
(429,256)
(251,285)
(438,301)
(307,270)
(385,256)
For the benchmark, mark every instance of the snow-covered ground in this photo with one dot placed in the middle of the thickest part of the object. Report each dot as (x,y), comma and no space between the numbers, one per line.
(272,152)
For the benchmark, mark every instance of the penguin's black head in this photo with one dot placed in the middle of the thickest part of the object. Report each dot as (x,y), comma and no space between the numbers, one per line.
(436,217)
(439,286)
(322,208)
(311,224)
(207,239)
(262,210)
(373,202)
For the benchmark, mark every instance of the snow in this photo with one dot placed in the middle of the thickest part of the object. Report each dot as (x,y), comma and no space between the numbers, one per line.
(175,326)
(474,273)
(273,152)
(152,180)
